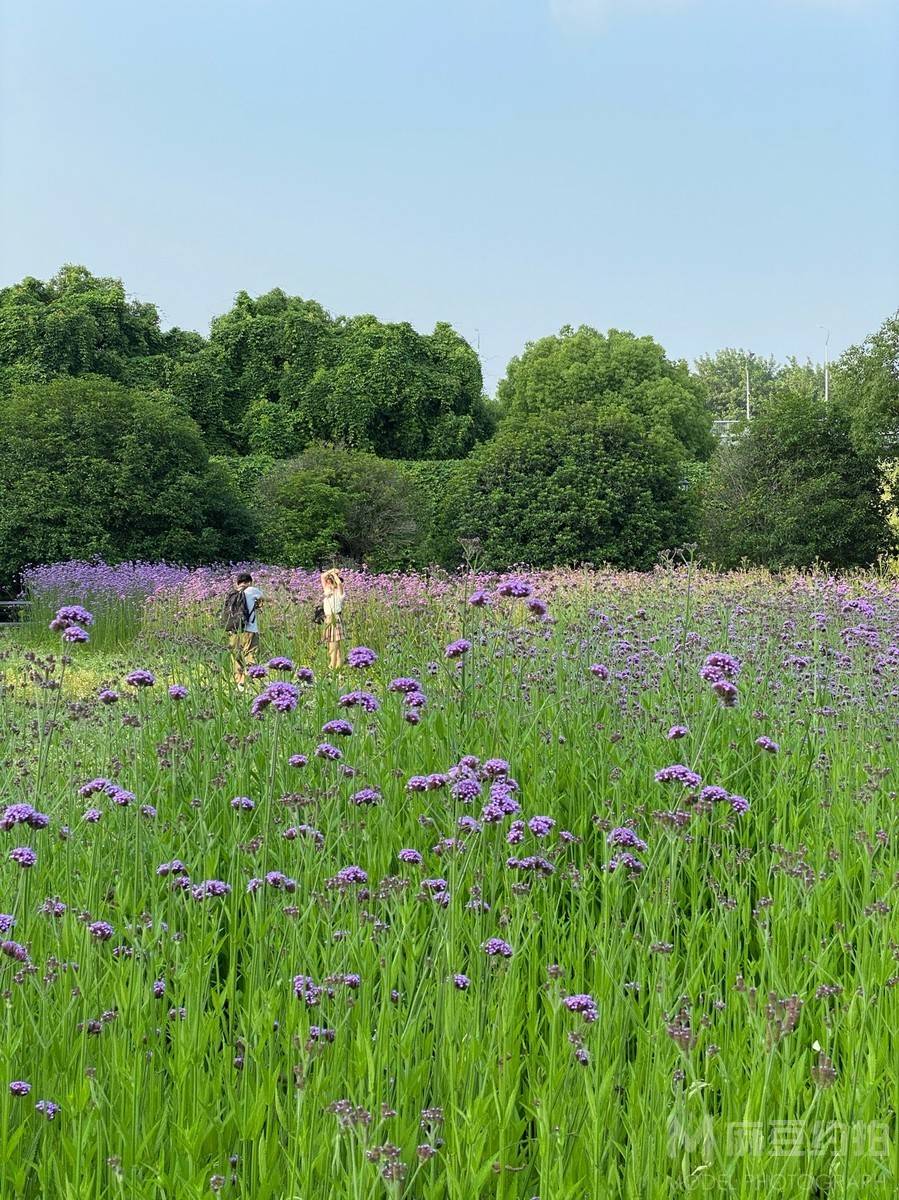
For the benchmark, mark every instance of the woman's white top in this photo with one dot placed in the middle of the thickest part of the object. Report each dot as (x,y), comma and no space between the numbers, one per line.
(334,604)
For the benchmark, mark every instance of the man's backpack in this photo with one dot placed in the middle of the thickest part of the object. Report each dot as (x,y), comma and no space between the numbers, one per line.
(236,611)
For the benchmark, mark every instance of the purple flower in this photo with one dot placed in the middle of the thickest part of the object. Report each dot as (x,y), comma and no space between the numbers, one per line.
(726,692)
(283,697)
(140,678)
(517,589)
(257,671)
(175,867)
(713,794)
(19,1087)
(479,598)
(537,606)
(101,930)
(765,743)
(297,760)
(720,666)
(16,814)
(600,670)
(304,675)
(457,649)
(415,700)
(462,982)
(495,946)
(48,1108)
(624,838)
(74,634)
(108,696)
(347,877)
(404,684)
(678,773)
(363,700)
(178,691)
(92,816)
(337,728)
(361,657)
(7,921)
(277,879)
(210,888)
(583,1004)
(23,855)
(466,790)
(495,768)
(242,804)
(541,826)
(326,750)
(14,950)
(280,663)
(677,731)
(366,796)
(469,824)
(739,804)
(410,856)
(159,988)
(625,859)
(93,786)
(307,990)
(73,613)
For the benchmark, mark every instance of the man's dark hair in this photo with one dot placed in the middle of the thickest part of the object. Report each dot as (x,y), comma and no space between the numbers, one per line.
(244,577)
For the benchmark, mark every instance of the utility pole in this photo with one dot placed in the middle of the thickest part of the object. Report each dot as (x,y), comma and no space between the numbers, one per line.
(826,366)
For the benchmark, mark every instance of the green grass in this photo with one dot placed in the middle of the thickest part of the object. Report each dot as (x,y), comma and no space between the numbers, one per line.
(782,901)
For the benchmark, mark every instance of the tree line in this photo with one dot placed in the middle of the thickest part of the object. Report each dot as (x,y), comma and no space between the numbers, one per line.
(299,437)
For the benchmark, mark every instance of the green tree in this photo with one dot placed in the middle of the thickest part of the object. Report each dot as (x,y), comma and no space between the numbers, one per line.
(723,375)
(76,324)
(293,375)
(867,379)
(332,502)
(609,371)
(573,485)
(794,490)
(90,467)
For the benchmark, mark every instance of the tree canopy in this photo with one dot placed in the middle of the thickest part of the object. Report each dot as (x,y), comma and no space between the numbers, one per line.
(92,467)
(617,370)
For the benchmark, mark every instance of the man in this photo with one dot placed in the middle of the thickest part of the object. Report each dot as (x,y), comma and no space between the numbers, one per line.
(242,622)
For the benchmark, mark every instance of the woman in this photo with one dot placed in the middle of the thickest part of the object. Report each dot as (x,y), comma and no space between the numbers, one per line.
(332,629)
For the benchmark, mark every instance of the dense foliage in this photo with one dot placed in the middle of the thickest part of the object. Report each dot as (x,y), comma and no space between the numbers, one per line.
(572,486)
(91,467)
(609,371)
(352,438)
(794,489)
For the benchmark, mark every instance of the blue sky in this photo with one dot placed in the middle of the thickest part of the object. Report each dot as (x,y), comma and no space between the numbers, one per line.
(711,172)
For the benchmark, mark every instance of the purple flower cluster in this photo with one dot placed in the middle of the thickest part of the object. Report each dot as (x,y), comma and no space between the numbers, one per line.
(364,700)
(282,697)
(23,814)
(361,658)
(140,678)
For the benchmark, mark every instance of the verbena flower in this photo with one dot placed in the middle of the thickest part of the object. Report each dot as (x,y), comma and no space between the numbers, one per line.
(102,931)
(496,947)
(676,732)
(281,696)
(47,1108)
(678,773)
(19,1087)
(410,856)
(178,691)
(327,751)
(457,649)
(280,663)
(297,760)
(517,589)
(461,982)
(74,634)
(363,700)
(24,856)
(361,658)
(140,678)
(625,838)
(404,684)
(366,796)
(337,728)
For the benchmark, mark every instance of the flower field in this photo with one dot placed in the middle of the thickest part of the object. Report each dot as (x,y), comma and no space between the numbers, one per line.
(569,886)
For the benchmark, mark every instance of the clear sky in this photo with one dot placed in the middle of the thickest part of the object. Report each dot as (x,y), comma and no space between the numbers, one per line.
(711,172)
